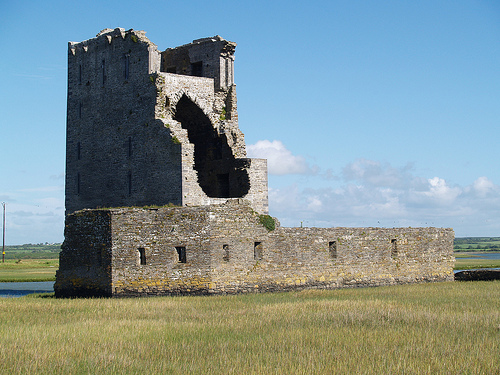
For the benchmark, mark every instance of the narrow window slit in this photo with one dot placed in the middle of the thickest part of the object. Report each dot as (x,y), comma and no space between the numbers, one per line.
(394,248)
(181,252)
(257,250)
(225,255)
(142,256)
(332,246)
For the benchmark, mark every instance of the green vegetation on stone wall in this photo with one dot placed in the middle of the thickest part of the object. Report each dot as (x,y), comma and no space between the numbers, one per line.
(268,222)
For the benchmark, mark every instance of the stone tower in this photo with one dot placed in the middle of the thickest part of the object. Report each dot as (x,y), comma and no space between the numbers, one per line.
(146,127)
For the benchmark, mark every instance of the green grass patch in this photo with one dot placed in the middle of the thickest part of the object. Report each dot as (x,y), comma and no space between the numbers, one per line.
(477,244)
(28,270)
(477,261)
(268,222)
(33,251)
(411,329)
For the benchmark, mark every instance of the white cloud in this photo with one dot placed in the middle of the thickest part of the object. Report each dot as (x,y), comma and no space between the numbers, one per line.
(280,160)
(482,186)
(35,215)
(375,173)
(376,194)
(441,192)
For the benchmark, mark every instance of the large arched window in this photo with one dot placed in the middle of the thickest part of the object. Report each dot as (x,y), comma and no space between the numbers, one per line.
(220,175)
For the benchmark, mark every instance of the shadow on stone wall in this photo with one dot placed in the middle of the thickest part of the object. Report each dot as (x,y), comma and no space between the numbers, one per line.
(477,275)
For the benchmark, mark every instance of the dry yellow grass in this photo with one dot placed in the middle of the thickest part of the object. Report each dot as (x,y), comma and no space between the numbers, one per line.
(443,328)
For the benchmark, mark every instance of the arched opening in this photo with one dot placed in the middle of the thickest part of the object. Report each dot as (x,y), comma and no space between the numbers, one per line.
(220,174)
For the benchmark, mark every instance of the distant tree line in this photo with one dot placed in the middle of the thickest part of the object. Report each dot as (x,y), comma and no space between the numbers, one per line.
(475,240)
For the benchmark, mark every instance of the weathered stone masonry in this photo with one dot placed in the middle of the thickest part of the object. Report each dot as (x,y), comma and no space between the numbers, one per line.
(149,128)
(220,249)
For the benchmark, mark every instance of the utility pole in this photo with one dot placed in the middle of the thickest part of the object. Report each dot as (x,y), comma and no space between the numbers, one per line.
(3,242)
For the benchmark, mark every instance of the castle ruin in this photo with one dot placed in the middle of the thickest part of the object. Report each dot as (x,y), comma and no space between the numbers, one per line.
(162,200)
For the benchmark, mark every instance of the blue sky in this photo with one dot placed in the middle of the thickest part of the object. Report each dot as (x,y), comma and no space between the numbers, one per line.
(371,113)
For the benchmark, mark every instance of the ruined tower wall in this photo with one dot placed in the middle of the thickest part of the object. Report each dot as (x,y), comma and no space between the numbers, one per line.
(228,250)
(86,255)
(127,144)
(206,57)
(117,152)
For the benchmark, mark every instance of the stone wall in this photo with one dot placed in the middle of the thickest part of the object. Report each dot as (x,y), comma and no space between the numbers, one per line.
(126,142)
(224,248)
(86,255)
(206,57)
(117,152)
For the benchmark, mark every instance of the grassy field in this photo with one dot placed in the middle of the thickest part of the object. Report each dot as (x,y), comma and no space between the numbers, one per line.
(33,251)
(30,262)
(28,270)
(470,244)
(441,328)
(477,262)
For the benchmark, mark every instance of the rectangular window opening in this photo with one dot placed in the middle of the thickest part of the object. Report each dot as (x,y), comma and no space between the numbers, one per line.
(181,252)
(197,69)
(394,248)
(225,255)
(332,246)
(257,250)
(142,256)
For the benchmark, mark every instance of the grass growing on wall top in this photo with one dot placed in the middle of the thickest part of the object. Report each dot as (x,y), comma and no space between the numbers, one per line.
(268,222)
(412,329)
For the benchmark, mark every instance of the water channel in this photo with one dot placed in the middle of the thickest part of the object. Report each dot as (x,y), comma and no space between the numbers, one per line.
(483,255)
(17,289)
